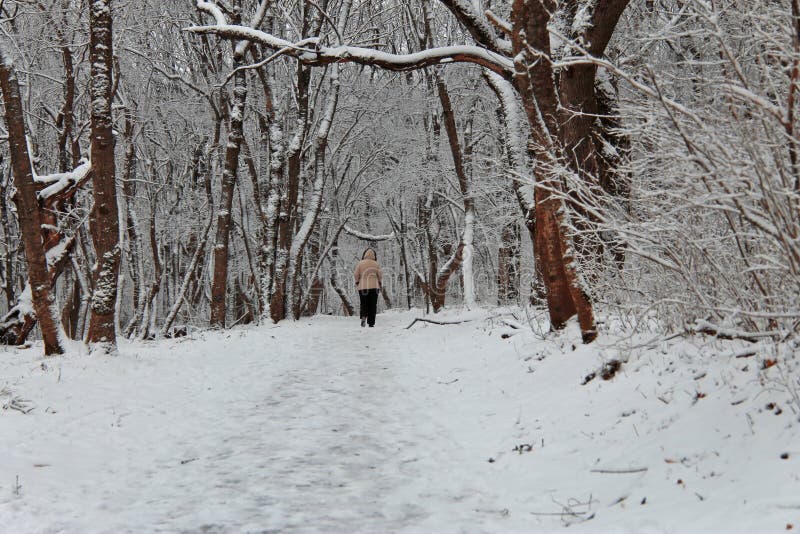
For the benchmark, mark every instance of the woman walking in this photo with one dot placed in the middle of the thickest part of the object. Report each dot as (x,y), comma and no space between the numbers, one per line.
(368,277)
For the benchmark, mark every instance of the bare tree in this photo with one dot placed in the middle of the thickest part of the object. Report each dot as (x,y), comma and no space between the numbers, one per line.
(103,221)
(39,292)
(553,135)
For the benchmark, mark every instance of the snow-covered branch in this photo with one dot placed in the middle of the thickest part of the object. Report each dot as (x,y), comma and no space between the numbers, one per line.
(312,53)
(56,184)
(365,236)
(478,26)
(212,9)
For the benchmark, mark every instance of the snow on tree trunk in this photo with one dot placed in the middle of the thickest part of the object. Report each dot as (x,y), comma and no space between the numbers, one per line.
(133,249)
(271,218)
(513,147)
(347,307)
(289,198)
(469,251)
(190,275)
(464,258)
(310,219)
(232,148)
(103,220)
(38,293)
(553,248)
(270,182)
(526,60)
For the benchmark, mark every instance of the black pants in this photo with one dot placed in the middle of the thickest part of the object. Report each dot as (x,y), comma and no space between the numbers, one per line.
(369,304)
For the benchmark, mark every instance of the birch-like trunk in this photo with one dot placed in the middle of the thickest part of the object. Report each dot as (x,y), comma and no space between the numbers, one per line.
(133,250)
(303,234)
(287,217)
(347,307)
(270,183)
(464,256)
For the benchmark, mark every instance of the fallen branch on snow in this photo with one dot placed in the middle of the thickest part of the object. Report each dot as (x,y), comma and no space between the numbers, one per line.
(571,514)
(19,404)
(448,383)
(423,320)
(704,327)
(620,471)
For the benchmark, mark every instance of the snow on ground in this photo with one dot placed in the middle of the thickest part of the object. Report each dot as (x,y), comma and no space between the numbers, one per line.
(321,426)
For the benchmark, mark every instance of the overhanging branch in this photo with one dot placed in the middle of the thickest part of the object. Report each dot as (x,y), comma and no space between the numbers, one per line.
(310,52)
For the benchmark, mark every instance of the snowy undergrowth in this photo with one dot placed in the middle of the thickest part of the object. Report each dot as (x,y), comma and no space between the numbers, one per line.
(321,426)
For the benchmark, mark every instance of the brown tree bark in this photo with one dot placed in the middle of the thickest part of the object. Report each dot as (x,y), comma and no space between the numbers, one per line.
(533,80)
(581,111)
(66,118)
(438,292)
(103,220)
(315,295)
(235,135)
(463,183)
(148,303)
(287,219)
(30,223)
(508,265)
(70,313)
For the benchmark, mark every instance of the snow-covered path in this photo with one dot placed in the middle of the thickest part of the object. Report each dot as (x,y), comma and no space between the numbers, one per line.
(321,426)
(287,428)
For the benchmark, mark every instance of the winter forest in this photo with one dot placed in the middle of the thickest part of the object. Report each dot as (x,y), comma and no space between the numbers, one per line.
(587,218)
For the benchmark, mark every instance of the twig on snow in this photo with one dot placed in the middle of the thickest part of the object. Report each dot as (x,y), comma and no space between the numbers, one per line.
(448,383)
(704,327)
(19,404)
(620,471)
(432,321)
(569,513)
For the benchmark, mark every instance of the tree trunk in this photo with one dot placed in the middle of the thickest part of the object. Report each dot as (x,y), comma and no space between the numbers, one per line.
(553,247)
(508,265)
(9,275)
(346,305)
(310,220)
(70,313)
(41,297)
(400,232)
(232,149)
(134,248)
(514,148)
(103,220)
(439,291)
(148,304)
(288,205)
(465,255)
(404,257)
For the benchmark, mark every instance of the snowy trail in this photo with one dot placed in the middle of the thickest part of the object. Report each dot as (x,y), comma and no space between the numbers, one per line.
(321,426)
(328,432)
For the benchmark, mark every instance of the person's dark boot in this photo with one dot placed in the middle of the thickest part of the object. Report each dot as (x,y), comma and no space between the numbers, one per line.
(363,322)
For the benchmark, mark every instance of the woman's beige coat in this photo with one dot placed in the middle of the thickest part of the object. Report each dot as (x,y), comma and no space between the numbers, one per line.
(368,273)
